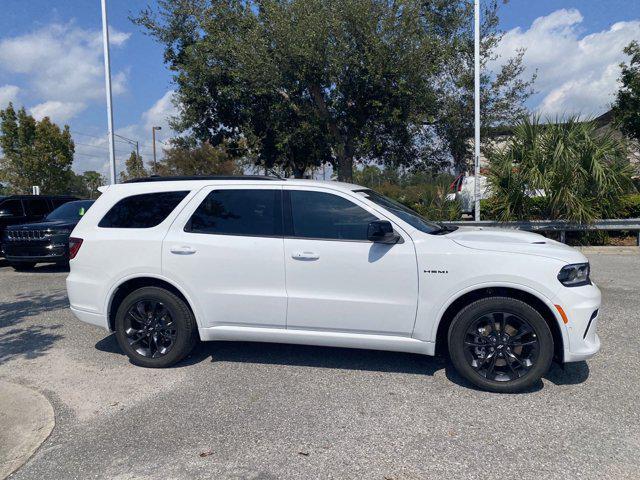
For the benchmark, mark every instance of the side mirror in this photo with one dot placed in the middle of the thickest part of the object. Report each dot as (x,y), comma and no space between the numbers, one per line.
(5,214)
(381,231)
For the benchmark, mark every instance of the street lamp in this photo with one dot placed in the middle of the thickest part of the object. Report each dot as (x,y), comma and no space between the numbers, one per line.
(153,135)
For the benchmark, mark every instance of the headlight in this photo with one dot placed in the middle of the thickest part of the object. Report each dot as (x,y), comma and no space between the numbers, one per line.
(575,275)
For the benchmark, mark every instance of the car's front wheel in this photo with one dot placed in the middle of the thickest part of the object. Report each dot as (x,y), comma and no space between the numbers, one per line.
(500,344)
(155,328)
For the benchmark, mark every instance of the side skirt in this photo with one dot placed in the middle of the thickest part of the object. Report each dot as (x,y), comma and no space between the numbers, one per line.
(319,338)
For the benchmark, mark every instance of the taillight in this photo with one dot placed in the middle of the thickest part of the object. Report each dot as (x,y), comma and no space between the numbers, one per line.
(74,246)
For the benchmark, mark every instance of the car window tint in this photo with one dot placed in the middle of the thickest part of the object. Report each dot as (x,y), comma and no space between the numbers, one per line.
(142,211)
(239,212)
(12,207)
(70,210)
(324,215)
(57,201)
(36,206)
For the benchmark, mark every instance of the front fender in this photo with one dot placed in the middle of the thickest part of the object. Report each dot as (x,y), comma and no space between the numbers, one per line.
(514,286)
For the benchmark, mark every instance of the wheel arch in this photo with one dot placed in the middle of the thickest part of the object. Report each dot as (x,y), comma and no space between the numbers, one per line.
(126,286)
(535,300)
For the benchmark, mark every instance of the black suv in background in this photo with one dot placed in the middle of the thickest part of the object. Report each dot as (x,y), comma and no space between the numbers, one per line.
(43,242)
(16,209)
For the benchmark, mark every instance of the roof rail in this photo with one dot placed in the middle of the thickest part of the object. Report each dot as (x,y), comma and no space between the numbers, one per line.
(158,178)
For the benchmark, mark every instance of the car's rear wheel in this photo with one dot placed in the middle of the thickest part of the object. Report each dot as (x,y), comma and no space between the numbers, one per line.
(155,328)
(500,344)
(22,266)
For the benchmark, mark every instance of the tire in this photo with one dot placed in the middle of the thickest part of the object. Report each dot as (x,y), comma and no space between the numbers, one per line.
(22,266)
(506,334)
(175,331)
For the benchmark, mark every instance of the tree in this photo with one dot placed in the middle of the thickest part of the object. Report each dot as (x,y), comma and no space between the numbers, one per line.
(502,94)
(626,108)
(92,181)
(134,168)
(582,173)
(35,152)
(313,81)
(204,159)
(304,81)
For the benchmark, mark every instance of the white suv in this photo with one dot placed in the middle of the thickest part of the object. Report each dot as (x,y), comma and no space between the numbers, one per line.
(164,262)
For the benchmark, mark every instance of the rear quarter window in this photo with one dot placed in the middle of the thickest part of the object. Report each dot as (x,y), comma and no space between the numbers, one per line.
(142,211)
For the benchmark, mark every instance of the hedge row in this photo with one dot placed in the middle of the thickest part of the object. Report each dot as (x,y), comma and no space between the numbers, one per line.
(630,208)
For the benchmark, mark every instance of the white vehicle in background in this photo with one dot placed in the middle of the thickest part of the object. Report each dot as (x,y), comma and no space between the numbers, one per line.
(165,262)
(463,191)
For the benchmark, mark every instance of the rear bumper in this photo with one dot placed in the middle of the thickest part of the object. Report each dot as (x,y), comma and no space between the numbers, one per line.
(91,318)
(582,307)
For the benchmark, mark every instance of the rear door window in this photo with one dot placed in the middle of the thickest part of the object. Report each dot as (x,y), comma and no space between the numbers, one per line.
(142,211)
(248,212)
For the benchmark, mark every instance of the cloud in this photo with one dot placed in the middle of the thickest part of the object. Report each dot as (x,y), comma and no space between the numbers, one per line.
(62,63)
(57,111)
(8,93)
(161,112)
(576,74)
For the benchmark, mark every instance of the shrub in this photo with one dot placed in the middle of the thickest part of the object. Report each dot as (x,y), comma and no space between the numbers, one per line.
(583,173)
(631,206)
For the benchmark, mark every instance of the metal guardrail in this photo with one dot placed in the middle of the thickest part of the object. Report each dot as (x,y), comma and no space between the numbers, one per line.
(561,226)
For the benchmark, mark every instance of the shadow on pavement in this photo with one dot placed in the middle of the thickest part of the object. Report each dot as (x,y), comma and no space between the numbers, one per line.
(302,356)
(345,359)
(568,373)
(50,268)
(28,341)
(322,357)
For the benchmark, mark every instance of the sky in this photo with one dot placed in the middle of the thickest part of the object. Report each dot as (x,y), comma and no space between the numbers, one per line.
(51,63)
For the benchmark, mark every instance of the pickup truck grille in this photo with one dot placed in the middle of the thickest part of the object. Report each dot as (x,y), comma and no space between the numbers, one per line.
(26,234)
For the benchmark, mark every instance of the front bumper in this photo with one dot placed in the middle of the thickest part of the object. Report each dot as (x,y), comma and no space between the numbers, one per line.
(582,308)
(35,252)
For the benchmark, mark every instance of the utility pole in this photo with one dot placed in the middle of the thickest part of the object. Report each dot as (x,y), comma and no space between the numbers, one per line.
(107,81)
(153,135)
(131,142)
(476,155)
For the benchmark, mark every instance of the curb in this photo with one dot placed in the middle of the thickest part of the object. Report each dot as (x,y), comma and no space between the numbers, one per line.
(26,420)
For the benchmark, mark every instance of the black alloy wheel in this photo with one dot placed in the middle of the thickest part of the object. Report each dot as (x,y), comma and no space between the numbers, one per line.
(149,328)
(500,344)
(155,327)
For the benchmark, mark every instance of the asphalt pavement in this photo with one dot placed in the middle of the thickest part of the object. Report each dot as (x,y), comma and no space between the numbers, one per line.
(270,411)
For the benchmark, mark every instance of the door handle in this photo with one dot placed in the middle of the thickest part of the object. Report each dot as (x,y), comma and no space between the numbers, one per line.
(182,250)
(305,256)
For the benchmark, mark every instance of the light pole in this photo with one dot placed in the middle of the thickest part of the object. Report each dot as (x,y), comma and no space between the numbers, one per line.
(107,81)
(153,135)
(476,156)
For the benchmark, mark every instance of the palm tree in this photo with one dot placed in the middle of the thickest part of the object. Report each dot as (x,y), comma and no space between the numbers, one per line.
(582,171)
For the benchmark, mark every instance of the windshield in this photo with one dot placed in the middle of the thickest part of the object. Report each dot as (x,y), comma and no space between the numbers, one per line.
(70,210)
(401,211)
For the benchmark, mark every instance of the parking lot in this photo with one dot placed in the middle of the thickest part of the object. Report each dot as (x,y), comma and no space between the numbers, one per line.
(267,411)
